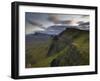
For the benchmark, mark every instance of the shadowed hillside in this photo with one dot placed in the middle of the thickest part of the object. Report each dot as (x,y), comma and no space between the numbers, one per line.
(70,48)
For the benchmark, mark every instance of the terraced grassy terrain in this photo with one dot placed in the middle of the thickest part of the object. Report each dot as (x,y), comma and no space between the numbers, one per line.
(71,48)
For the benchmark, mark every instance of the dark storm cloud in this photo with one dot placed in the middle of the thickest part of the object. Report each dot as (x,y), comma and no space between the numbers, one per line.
(85,23)
(56,20)
(53,18)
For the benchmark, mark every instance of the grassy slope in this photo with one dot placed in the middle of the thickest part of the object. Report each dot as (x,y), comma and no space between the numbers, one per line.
(77,46)
(36,54)
(36,51)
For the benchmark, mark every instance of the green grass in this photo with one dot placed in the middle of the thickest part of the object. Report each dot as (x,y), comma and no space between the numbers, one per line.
(46,62)
(72,48)
(36,52)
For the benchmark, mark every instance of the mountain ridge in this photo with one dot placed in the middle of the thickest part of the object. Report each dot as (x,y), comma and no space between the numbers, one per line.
(69,48)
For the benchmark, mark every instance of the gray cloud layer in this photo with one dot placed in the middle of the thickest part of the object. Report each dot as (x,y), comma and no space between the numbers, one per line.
(41,21)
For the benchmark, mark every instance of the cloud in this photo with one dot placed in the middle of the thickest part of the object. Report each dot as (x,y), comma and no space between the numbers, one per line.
(85,23)
(64,22)
(34,23)
(80,22)
(84,16)
(53,18)
(56,19)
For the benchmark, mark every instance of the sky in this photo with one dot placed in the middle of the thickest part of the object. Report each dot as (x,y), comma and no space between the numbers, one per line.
(41,21)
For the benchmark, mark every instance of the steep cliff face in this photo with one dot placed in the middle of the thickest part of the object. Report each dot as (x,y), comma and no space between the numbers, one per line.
(73,44)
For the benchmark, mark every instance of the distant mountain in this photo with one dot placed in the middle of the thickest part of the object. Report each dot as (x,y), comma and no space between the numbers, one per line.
(37,37)
(57,29)
(53,30)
